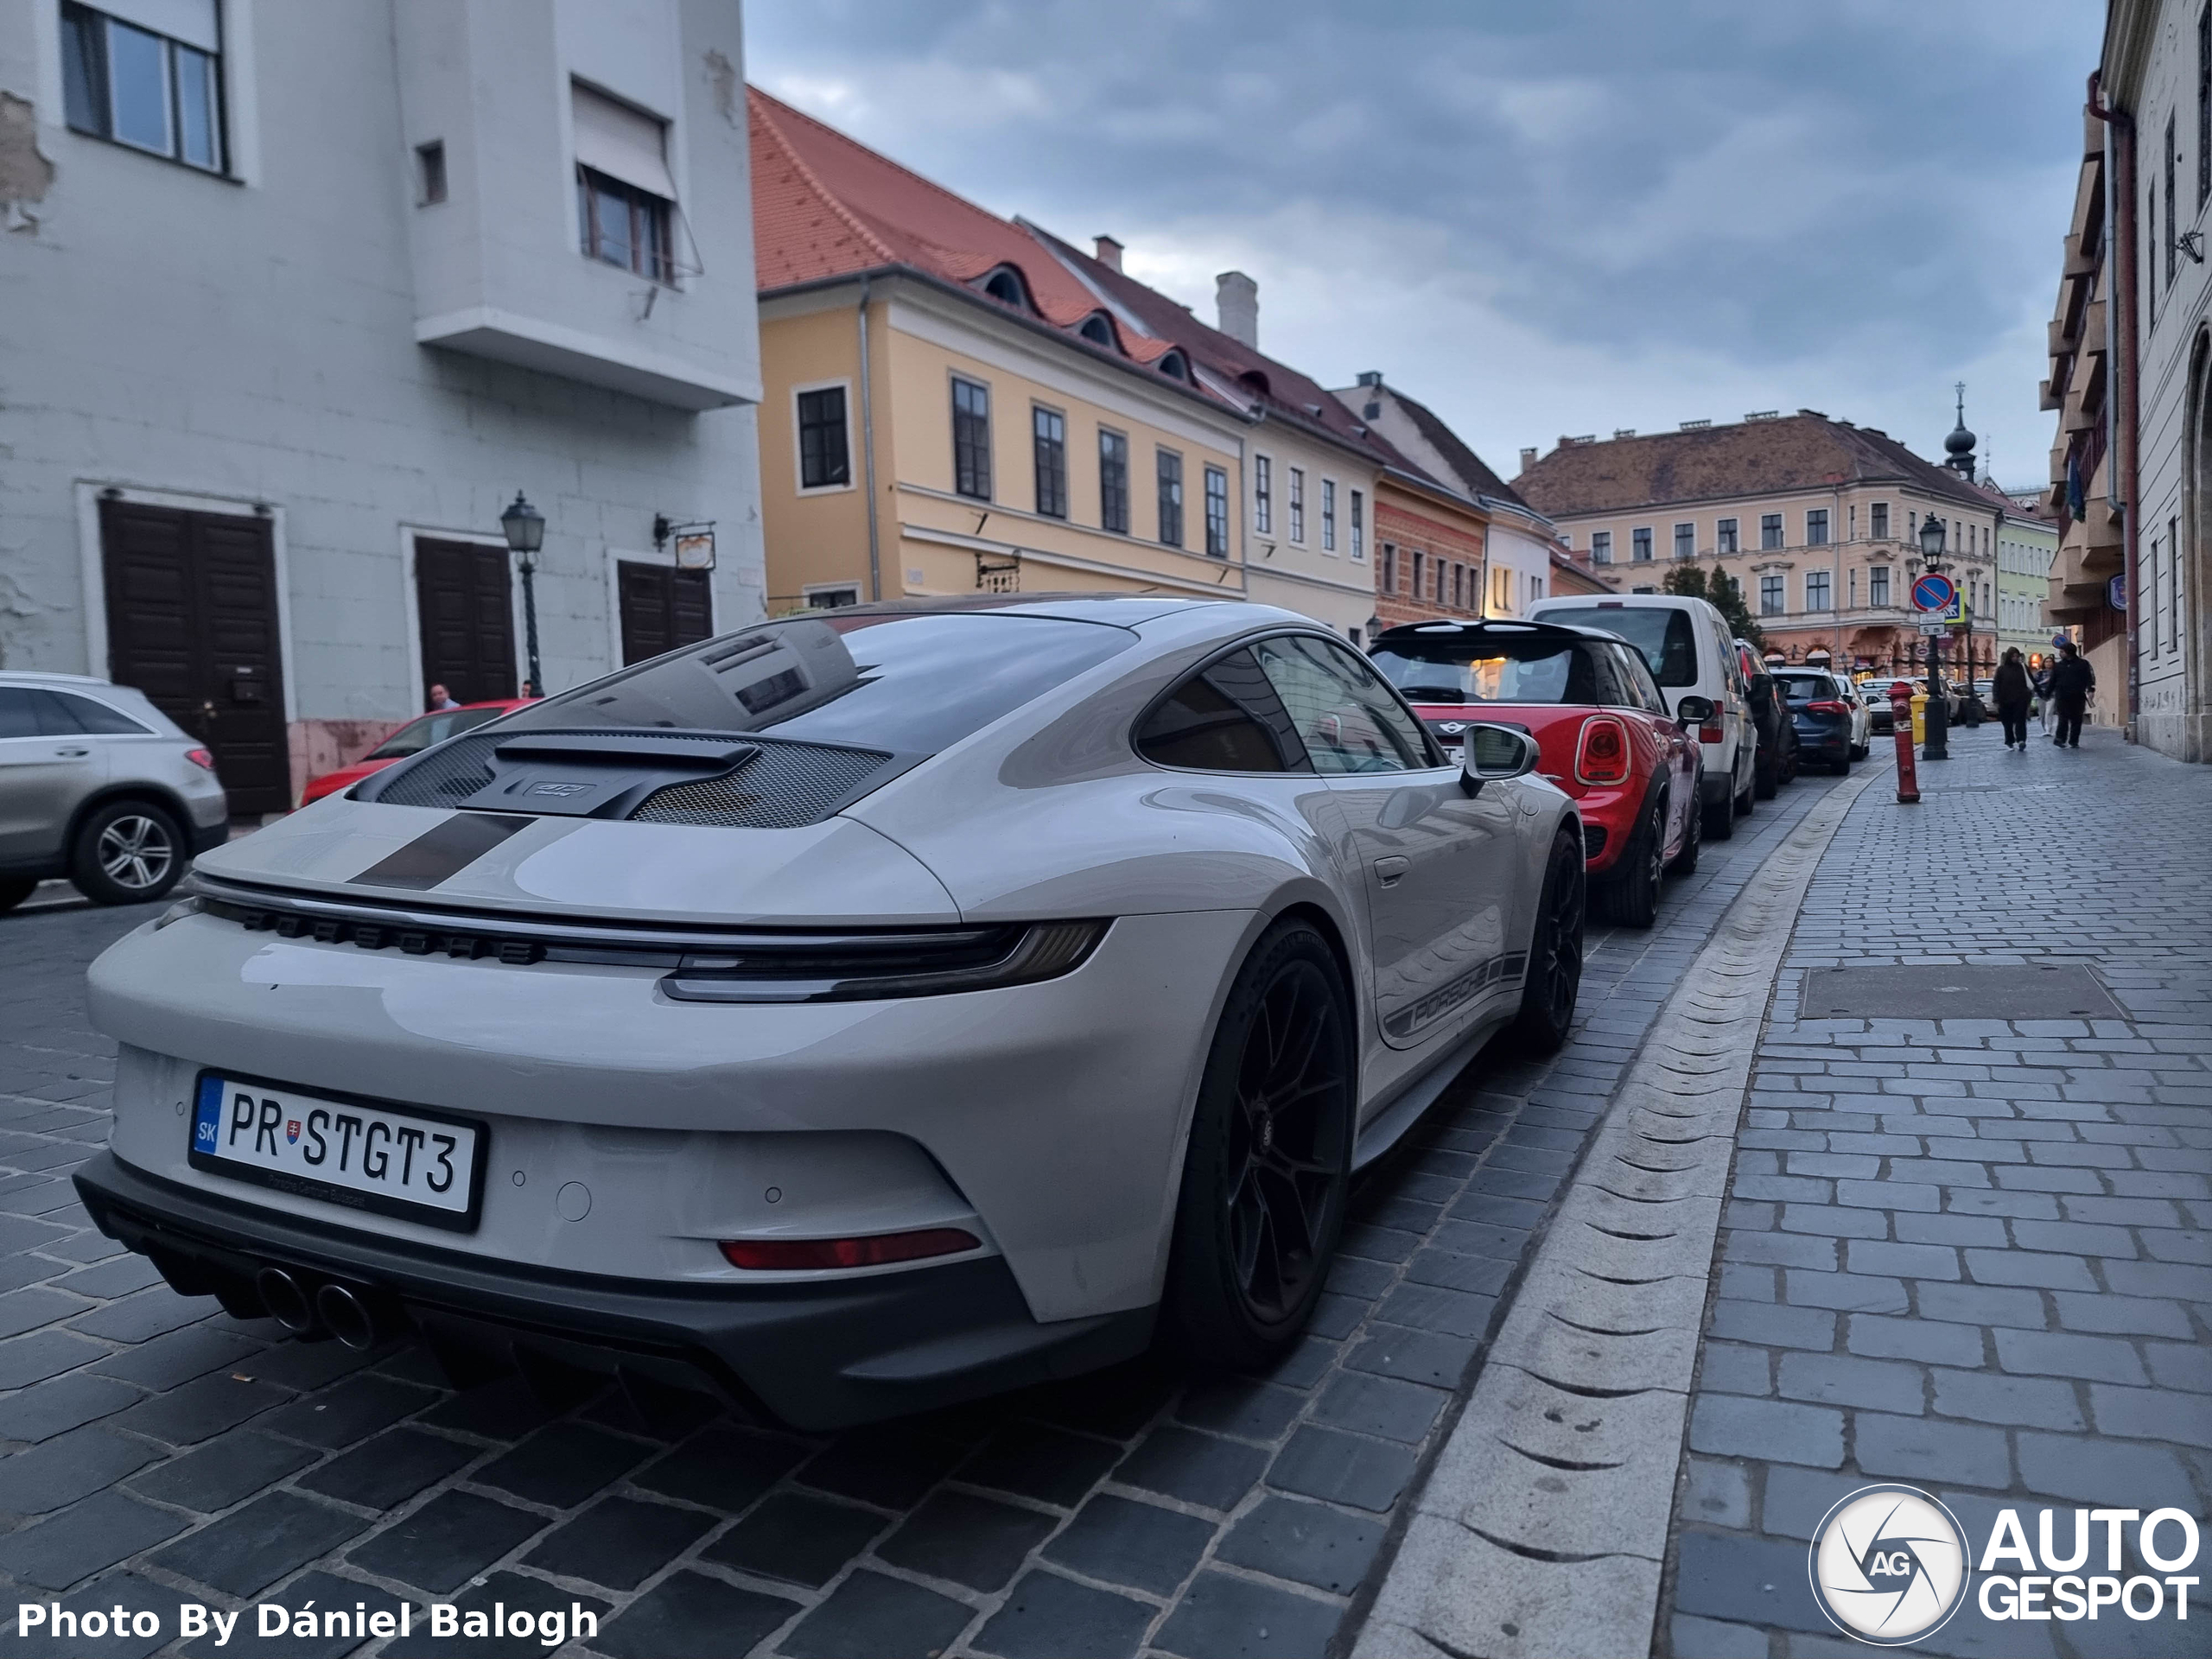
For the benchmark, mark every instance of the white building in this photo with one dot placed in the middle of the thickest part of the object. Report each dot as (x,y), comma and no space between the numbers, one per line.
(295,298)
(2027,546)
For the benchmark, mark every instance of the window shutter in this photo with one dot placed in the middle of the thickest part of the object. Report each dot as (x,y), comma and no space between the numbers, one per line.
(192,22)
(616,140)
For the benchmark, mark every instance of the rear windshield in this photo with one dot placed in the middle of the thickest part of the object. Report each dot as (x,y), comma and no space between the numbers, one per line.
(418,735)
(1661,632)
(1445,669)
(910,682)
(1802,688)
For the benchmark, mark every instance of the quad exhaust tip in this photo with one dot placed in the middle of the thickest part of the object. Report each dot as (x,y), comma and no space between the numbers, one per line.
(288,1302)
(349,1318)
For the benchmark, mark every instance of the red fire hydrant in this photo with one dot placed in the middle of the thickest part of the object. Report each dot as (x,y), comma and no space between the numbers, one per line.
(1901,723)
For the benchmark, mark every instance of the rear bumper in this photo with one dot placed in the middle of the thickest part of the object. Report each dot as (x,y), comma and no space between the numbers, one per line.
(1824,737)
(815,1356)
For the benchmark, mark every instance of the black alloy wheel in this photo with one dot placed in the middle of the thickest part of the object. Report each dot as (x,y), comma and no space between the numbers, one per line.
(1632,897)
(1269,1161)
(127,853)
(1685,858)
(1555,971)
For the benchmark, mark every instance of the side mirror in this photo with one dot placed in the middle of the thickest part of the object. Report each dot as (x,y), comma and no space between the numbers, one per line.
(1488,752)
(1695,710)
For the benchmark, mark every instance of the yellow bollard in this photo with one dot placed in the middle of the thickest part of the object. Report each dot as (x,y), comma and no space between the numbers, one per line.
(1920,717)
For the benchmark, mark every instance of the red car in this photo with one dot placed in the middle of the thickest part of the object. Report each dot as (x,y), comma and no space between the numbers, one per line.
(416,735)
(1601,722)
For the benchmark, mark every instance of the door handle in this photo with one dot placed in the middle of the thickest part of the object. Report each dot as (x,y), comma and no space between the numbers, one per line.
(1388,870)
(74,754)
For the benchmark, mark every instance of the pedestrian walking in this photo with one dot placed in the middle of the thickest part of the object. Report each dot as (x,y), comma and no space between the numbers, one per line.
(2011,691)
(2042,698)
(442,698)
(2072,682)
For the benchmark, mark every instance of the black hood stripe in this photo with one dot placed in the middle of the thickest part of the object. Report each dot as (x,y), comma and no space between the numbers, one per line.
(445,851)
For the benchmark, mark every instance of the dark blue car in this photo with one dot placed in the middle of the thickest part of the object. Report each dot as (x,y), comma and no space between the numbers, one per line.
(1821,710)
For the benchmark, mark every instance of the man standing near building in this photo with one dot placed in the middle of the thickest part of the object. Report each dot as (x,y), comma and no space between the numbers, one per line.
(2071,683)
(442,698)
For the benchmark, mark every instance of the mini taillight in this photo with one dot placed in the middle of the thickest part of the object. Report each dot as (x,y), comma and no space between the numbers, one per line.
(1601,757)
(809,1255)
(201,758)
(1709,733)
(1828,705)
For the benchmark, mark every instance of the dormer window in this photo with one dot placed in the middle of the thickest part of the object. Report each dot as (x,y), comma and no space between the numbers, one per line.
(1253,380)
(1176,366)
(1005,285)
(1099,331)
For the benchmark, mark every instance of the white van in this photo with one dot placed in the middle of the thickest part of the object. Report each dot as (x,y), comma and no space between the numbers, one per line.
(1691,654)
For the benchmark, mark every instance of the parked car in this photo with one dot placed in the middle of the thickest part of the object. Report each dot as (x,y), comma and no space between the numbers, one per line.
(1607,737)
(854,1014)
(98,786)
(416,735)
(1826,717)
(1875,692)
(1688,650)
(1777,757)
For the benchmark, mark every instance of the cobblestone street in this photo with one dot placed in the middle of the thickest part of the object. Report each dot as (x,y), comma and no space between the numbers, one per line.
(158,1450)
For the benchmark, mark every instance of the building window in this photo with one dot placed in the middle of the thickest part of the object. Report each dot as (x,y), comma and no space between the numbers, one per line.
(1113,481)
(161,93)
(1171,498)
(832,598)
(2151,253)
(1388,578)
(971,439)
(623,189)
(1816,590)
(1771,529)
(2173,233)
(1639,542)
(1724,536)
(1216,513)
(1358,526)
(1601,546)
(429,174)
(1421,571)
(1050,432)
(1328,515)
(1878,518)
(1298,504)
(1685,541)
(1878,585)
(1816,527)
(1854,589)
(1770,595)
(824,458)
(1264,495)
(1459,587)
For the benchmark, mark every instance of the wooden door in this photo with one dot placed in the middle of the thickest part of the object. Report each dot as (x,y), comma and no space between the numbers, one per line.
(466,610)
(663,608)
(192,622)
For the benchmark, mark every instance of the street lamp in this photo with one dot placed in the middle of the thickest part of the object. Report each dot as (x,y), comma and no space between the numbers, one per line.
(524,526)
(1938,716)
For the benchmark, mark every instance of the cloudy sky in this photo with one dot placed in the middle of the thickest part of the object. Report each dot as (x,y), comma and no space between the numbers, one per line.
(1540,216)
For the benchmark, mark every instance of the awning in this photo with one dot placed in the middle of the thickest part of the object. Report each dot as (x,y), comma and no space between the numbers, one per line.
(622,142)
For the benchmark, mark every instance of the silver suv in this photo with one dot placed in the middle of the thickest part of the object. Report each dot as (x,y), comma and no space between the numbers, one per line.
(98,784)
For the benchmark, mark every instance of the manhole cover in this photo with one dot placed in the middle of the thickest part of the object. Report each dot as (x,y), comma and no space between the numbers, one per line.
(2070,993)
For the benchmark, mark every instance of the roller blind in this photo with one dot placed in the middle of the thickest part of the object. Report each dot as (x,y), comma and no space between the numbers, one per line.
(616,140)
(192,22)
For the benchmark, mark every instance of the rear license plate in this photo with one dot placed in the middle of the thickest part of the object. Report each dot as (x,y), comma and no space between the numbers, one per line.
(406,1163)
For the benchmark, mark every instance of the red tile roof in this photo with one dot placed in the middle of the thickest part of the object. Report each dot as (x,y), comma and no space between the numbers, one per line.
(824,206)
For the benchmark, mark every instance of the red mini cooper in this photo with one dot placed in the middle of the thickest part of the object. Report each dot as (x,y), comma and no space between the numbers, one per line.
(1606,738)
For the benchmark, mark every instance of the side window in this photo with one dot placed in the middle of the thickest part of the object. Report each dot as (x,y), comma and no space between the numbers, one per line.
(1348,720)
(19,712)
(1226,717)
(1636,680)
(83,715)
(1604,681)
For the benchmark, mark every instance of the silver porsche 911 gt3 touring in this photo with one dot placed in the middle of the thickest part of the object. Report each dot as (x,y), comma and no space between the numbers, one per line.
(852,1014)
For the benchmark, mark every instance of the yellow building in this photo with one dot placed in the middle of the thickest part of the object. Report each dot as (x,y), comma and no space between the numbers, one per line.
(947,409)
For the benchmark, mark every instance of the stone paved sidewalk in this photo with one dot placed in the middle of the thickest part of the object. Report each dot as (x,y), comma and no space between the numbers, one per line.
(153,1449)
(1971,1254)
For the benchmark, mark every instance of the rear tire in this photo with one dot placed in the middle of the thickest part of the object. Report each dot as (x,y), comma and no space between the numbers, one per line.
(1719,821)
(127,853)
(13,892)
(1269,1160)
(1766,781)
(1632,896)
(1554,972)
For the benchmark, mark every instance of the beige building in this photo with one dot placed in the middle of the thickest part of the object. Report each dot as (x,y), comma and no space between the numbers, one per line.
(1816,520)
(946,409)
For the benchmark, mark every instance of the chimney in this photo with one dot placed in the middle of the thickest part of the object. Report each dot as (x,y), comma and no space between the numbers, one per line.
(1528,459)
(1236,304)
(1109,250)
